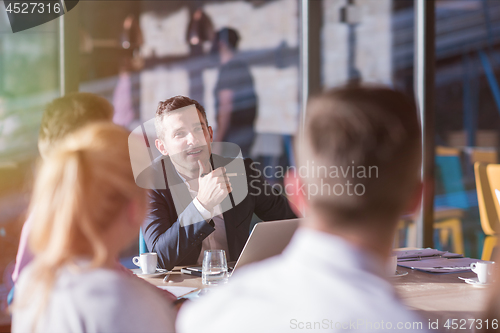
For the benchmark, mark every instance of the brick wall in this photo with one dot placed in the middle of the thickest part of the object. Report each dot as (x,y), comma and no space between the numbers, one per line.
(262,27)
(267,27)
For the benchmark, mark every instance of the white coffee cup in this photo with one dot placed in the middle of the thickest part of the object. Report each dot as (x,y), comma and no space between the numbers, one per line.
(147,262)
(392,265)
(484,271)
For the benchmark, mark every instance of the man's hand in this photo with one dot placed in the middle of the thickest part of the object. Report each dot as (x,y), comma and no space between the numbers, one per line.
(213,187)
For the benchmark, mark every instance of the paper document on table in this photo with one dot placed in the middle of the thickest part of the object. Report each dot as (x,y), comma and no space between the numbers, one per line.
(497,192)
(424,254)
(176,290)
(440,265)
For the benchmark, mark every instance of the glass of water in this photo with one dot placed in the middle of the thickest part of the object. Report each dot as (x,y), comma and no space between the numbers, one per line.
(214,269)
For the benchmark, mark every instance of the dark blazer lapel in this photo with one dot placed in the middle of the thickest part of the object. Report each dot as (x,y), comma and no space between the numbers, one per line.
(180,195)
(230,217)
(232,214)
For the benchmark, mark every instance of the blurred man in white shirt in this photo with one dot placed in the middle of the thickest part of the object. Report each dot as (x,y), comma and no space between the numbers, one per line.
(359,166)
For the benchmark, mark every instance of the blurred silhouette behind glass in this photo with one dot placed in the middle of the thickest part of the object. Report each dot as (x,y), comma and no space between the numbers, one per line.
(199,31)
(199,36)
(130,42)
(86,208)
(235,97)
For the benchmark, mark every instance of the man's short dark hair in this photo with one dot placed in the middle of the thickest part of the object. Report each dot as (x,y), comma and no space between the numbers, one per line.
(228,36)
(172,104)
(361,127)
(66,114)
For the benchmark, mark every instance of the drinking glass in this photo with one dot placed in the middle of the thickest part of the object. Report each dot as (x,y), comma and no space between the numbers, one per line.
(214,270)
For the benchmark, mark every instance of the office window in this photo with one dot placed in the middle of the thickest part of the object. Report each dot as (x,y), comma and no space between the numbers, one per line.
(29,78)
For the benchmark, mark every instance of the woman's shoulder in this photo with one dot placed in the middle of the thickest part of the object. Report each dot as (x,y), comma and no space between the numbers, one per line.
(116,301)
(104,299)
(129,303)
(102,282)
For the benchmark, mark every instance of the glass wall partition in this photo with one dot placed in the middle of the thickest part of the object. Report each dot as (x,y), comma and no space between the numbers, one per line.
(467,121)
(29,78)
(370,42)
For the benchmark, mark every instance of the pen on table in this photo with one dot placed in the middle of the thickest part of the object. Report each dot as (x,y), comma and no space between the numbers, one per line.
(450,267)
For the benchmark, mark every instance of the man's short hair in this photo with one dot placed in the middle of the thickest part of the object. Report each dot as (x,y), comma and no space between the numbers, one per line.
(369,137)
(66,114)
(172,104)
(228,36)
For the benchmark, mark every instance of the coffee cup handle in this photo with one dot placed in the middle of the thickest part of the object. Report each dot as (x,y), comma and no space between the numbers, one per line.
(136,261)
(472,267)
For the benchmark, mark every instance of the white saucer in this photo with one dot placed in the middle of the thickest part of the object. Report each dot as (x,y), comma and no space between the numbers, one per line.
(159,272)
(398,274)
(475,282)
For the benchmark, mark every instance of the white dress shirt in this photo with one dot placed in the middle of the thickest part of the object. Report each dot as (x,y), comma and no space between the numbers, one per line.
(217,240)
(90,300)
(320,283)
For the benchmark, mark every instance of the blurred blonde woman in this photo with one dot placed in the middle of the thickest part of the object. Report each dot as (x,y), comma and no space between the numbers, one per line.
(86,209)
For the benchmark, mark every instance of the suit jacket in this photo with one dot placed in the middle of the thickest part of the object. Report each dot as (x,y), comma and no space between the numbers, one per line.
(174,228)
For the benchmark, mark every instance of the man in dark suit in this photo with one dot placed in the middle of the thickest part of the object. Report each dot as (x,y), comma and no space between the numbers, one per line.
(206,201)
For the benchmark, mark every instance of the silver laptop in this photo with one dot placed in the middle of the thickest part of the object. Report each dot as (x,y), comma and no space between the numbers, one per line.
(266,240)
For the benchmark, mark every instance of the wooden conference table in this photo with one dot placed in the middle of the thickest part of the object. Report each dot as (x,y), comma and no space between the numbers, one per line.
(442,296)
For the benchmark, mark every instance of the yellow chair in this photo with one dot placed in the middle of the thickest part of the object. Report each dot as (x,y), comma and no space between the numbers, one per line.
(448,220)
(447,151)
(487,208)
(404,226)
(483,155)
(493,172)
